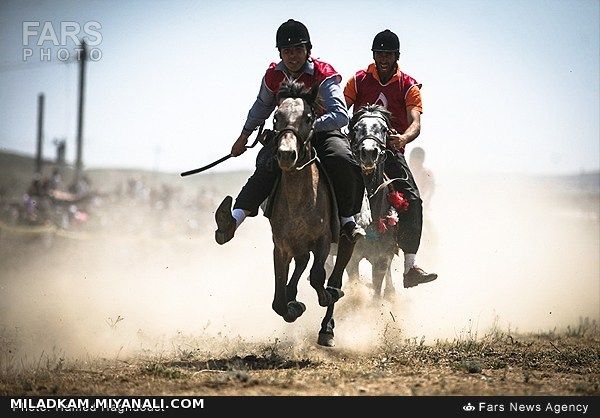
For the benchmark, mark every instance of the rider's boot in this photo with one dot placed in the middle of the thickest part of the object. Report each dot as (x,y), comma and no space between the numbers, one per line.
(226,223)
(416,276)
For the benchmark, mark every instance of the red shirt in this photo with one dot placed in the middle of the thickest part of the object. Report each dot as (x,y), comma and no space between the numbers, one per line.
(322,71)
(397,95)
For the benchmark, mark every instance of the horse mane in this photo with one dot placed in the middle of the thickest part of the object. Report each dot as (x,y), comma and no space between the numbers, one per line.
(296,90)
(371,109)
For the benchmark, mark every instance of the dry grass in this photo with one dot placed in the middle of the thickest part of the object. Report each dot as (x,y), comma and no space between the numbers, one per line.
(498,363)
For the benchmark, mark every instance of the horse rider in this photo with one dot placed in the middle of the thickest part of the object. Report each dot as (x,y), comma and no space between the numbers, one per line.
(384,84)
(332,147)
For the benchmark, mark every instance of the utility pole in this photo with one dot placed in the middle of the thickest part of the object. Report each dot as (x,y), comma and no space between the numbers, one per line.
(60,144)
(79,162)
(40,133)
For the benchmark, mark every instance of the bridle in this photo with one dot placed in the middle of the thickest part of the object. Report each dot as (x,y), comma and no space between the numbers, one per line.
(304,149)
(378,140)
(383,153)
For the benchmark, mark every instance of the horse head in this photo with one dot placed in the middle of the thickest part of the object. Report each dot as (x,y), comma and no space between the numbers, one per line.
(293,124)
(369,130)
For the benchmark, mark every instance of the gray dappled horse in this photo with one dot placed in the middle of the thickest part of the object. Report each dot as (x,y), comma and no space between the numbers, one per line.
(301,212)
(369,129)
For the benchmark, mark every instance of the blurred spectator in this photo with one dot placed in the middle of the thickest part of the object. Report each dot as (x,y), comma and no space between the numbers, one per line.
(82,187)
(37,186)
(55,180)
(423,176)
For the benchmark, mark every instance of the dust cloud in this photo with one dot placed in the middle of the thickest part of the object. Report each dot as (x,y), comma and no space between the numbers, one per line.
(521,254)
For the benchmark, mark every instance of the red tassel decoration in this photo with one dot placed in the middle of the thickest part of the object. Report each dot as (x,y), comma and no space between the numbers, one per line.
(381,226)
(397,200)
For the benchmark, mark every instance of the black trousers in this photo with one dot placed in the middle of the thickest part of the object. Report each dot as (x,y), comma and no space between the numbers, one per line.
(410,223)
(333,150)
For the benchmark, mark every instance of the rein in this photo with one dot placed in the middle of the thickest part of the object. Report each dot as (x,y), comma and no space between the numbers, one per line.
(387,182)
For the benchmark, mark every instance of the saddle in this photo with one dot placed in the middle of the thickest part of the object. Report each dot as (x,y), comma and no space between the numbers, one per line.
(267,205)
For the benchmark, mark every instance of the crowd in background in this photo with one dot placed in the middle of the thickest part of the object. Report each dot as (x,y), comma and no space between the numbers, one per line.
(135,207)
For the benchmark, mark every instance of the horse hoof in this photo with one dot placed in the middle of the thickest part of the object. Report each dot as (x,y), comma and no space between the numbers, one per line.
(336,294)
(294,310)
(298,306)
(326,340)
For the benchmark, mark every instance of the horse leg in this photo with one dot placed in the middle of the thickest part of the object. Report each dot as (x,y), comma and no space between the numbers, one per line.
(317,272)
(390,291)
(334,286)
(330,261)
(300,266)
(352,270)
(326,332)
(346,248)
(334,283)
(289,310)
(379,271)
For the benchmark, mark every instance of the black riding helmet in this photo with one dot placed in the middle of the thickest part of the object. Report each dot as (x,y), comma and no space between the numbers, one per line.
(386,41)
(292,33)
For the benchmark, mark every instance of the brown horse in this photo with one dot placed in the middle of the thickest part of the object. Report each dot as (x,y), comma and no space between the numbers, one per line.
(301,212)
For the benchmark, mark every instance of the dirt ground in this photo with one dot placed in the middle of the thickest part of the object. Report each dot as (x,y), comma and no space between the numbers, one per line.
(498,364)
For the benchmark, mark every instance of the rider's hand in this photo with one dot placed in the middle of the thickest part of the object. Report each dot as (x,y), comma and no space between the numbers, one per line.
(396,141)
(239,146)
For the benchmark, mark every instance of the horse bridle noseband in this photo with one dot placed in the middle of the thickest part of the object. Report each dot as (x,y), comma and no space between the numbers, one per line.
(305,143)
(373,137)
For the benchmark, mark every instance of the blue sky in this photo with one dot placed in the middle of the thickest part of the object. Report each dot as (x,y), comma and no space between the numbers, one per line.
(508,86)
